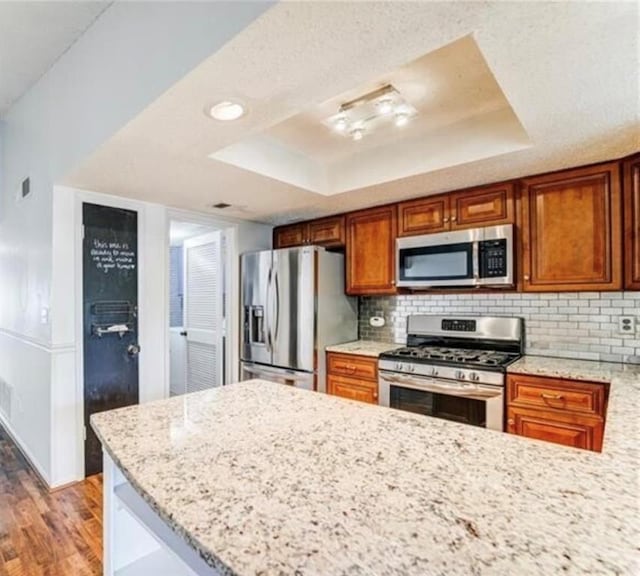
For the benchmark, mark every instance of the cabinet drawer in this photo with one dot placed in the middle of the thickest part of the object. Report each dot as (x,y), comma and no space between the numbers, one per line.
(568,429)
(556,394)
(361,367)
(352,388)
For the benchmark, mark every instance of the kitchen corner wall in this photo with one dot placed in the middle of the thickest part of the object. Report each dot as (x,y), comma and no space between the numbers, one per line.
(567,324)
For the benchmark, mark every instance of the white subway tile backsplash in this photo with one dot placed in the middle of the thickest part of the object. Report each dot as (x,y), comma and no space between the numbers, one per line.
(569,324)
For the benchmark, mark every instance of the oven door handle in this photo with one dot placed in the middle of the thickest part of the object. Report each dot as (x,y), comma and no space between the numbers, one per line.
(426,384)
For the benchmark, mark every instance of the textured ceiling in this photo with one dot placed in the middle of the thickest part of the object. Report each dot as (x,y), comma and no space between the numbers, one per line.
(450,89)
(569,71)
(33,35)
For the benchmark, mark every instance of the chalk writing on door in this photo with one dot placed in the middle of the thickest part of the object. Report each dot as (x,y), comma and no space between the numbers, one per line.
(108,256)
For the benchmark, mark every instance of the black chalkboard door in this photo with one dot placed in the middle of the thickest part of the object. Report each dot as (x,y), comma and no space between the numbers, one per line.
(110,298)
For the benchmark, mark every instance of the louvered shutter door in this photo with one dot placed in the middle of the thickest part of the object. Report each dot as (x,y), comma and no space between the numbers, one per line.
(203,311)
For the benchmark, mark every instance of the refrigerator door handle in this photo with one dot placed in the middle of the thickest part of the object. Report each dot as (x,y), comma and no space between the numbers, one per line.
(267,313)
(277,314)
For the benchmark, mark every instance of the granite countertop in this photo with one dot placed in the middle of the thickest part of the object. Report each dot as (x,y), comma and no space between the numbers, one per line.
(266,479)
(588,370)
(363,348)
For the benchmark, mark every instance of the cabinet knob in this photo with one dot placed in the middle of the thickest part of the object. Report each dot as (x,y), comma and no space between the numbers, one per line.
(453,218)
(511,421)
(445,219)
(526,276)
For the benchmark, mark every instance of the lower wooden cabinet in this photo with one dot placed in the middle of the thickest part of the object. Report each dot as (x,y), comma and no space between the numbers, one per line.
(568,429)
(352,376)
(557,410)
(352,388)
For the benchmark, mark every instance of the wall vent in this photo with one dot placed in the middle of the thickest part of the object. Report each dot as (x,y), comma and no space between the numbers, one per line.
(221,205)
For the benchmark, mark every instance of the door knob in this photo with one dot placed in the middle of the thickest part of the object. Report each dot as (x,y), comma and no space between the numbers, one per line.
(133,349)
(184,332)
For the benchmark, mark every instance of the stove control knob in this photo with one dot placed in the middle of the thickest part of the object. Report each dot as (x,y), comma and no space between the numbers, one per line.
(460,375)
(474,376)
(411,368)
(399,366)
(434,371)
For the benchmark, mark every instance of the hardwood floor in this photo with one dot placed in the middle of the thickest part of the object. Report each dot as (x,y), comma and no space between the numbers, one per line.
(43,533)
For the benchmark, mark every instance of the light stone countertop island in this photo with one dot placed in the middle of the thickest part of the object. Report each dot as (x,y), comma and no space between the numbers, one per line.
(260,478)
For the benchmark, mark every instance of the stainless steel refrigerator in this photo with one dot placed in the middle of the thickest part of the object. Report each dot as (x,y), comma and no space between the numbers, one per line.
(293,306)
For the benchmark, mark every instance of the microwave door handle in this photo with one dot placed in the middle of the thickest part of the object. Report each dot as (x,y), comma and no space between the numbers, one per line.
(475,257)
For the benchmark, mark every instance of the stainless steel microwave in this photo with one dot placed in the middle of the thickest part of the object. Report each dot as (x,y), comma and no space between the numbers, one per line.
(475,257)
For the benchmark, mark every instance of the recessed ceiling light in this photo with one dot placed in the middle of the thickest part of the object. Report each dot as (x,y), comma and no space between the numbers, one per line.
(226,111)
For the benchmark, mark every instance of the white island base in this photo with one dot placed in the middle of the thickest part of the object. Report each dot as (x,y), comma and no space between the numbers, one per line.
(136,541)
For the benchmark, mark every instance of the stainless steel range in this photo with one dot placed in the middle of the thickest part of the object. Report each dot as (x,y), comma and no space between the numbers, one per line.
(452,368)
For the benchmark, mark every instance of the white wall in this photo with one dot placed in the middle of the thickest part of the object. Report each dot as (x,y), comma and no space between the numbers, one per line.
(126,59)
(67,418)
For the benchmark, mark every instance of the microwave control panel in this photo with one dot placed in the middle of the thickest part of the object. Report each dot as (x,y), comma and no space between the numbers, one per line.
(493,258)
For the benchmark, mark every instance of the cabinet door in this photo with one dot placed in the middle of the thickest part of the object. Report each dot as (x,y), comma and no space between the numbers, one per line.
(631,192)
(423,216)
(290,236)
(567,429)
(370,254)
(327,231)
(352,388)
(571,230)
(488,206)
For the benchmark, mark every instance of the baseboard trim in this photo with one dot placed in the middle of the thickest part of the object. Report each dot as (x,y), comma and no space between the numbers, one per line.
(25,452)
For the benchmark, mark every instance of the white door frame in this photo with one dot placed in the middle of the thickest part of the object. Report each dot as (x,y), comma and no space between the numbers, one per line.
(82,197)
(232,346)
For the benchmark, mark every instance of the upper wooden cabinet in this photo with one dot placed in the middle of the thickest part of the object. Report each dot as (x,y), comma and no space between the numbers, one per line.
(423,216)
(476,207)
(571,230)
(631,191)
(487,206)
(290,236)
(370,252)
(327,232)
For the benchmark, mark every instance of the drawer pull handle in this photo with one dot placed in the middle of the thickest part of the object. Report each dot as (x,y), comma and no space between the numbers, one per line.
(351,367)
(551,396)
